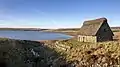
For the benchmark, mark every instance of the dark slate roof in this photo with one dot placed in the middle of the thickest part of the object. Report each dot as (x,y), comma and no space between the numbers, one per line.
(91,27)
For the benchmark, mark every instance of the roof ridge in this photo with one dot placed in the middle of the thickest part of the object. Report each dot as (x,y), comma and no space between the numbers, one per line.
(102,18)
(95,21)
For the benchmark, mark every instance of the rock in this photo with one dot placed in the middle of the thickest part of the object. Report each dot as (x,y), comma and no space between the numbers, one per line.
(104,59)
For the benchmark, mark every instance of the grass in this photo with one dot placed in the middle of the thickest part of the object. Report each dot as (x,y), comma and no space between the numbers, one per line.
(88,54)
(15,53)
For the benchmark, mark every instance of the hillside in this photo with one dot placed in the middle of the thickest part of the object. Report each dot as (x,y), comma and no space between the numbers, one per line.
(115,27)
(22,53)
(59,53)
(51,30)
(104,54)
(23,29)
(75,31)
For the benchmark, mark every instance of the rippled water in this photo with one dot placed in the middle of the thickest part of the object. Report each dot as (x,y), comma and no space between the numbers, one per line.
(33,35)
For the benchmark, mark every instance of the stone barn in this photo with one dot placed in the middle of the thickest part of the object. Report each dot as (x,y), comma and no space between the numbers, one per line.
(97,30)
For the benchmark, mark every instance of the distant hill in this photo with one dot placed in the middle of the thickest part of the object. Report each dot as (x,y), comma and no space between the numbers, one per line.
(115,27)
(63,30)
(23,29)
(51,30)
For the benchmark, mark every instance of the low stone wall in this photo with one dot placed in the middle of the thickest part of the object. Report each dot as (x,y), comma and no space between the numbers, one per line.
(62,46)
(87,38)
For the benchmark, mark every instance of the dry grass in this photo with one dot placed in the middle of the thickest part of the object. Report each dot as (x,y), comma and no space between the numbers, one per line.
(88,54)
(117,35)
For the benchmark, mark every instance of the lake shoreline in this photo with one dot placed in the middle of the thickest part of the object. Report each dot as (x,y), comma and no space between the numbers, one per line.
(33,35)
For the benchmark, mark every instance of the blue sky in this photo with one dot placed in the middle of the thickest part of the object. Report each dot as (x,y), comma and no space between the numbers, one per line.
(57,13)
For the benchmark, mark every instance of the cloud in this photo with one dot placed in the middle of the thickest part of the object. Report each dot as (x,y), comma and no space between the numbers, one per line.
(8,18)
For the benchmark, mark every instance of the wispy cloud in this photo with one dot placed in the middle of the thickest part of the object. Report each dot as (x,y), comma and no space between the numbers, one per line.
(52,21)
(8,18)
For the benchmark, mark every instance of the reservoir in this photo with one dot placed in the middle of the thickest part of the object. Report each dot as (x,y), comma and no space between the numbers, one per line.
(33,35)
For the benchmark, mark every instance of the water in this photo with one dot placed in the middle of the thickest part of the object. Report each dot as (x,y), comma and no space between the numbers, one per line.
(33,35)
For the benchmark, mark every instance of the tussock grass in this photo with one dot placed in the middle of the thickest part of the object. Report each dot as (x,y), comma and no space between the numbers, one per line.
(96,54)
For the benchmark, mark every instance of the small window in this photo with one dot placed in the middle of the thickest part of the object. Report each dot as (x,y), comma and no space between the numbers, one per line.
(105,30)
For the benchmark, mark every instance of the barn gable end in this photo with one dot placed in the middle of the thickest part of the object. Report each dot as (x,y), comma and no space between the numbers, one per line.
(104,33)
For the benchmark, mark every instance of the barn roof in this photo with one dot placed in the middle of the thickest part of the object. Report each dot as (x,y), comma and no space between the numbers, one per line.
(92,26)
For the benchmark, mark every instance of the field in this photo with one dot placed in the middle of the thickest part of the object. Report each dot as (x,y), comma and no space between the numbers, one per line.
(117,35)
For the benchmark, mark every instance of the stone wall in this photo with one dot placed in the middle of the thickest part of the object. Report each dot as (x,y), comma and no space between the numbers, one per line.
(62,46)
(87,38)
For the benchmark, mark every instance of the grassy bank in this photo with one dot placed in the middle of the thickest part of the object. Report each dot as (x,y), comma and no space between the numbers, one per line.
(22,53)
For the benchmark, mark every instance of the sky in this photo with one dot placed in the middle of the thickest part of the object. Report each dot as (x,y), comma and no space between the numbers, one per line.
(57,13)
